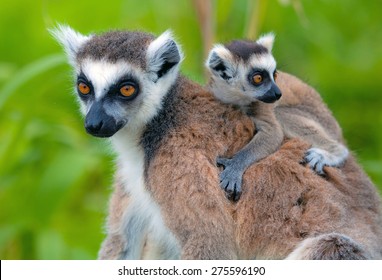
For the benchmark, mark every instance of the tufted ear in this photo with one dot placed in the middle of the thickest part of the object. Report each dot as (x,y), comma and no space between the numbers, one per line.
(70,40)
(221,63)
(267,41)
(163,55)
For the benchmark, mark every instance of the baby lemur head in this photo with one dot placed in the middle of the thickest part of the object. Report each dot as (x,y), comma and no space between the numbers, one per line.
(244,71)
(121,77)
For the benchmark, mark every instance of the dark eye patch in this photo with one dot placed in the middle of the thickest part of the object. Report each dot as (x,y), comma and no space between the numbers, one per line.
(257,71)
(115,90)
(81,78)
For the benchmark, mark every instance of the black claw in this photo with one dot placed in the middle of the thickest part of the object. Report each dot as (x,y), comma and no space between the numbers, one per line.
(234,193)
(237,196)
(223,184)
(303,161)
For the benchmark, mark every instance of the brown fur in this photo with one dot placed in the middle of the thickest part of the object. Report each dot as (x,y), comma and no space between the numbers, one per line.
(113,246)
(283,202)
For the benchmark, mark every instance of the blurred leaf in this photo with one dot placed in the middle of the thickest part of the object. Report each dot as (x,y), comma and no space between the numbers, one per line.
(28,72)
(6,71)
(50,246)
(64,171)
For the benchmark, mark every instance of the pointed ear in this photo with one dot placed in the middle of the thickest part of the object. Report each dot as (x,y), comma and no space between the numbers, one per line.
(163,55)
(69,39)
(221,63)
(267,41)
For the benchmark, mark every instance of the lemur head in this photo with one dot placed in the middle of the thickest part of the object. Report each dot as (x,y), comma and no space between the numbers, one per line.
(244,71)
(121,77)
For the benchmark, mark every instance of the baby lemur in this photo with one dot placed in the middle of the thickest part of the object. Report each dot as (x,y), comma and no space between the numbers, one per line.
(244,74)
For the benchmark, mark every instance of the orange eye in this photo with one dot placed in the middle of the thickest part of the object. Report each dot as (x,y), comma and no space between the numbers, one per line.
(257,79)
(127,90)
(83,88)
(275,76)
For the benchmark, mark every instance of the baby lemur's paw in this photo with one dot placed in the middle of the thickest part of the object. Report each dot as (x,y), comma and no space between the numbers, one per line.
(317,158)
(230,179)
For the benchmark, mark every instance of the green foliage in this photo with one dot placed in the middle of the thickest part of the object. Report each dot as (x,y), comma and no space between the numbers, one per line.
(55,179)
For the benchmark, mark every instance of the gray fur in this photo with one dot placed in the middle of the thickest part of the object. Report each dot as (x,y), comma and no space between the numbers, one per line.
(332,246)
(117,45)
(135,228)
(217,64)
(243,50)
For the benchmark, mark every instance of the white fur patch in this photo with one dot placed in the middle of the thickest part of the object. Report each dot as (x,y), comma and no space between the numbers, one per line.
(143,217)
(263,61)
(267,41)
(303,249)
(104,74)
(70,39)
(221,52)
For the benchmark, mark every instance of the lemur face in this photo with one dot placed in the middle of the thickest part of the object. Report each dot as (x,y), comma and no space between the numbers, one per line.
(244,72)
(121,77)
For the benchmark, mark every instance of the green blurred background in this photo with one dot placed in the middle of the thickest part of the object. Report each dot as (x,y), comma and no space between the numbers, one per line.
(55,179)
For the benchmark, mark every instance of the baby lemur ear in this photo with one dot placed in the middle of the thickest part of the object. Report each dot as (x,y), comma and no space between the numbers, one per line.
(267,41)
(163,55)
(70,39)
(221,63)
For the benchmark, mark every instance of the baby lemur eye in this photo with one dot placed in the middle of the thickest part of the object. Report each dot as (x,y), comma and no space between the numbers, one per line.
(127,90)
(257,79)
(83,88)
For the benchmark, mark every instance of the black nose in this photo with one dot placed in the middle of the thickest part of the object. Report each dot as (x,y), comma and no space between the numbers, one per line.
(272,95)
(278,93)
(100,124)
(93,126)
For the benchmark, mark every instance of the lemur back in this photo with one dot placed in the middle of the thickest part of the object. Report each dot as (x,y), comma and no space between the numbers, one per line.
(243,73)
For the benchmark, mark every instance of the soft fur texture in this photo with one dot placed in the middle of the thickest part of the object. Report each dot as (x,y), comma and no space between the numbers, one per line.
(167,202)
(283,202)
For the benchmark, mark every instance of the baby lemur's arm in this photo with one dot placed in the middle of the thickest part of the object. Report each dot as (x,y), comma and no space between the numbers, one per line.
(267,140)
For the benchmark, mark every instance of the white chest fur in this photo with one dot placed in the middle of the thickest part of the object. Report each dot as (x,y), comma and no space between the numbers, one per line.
(143,228)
